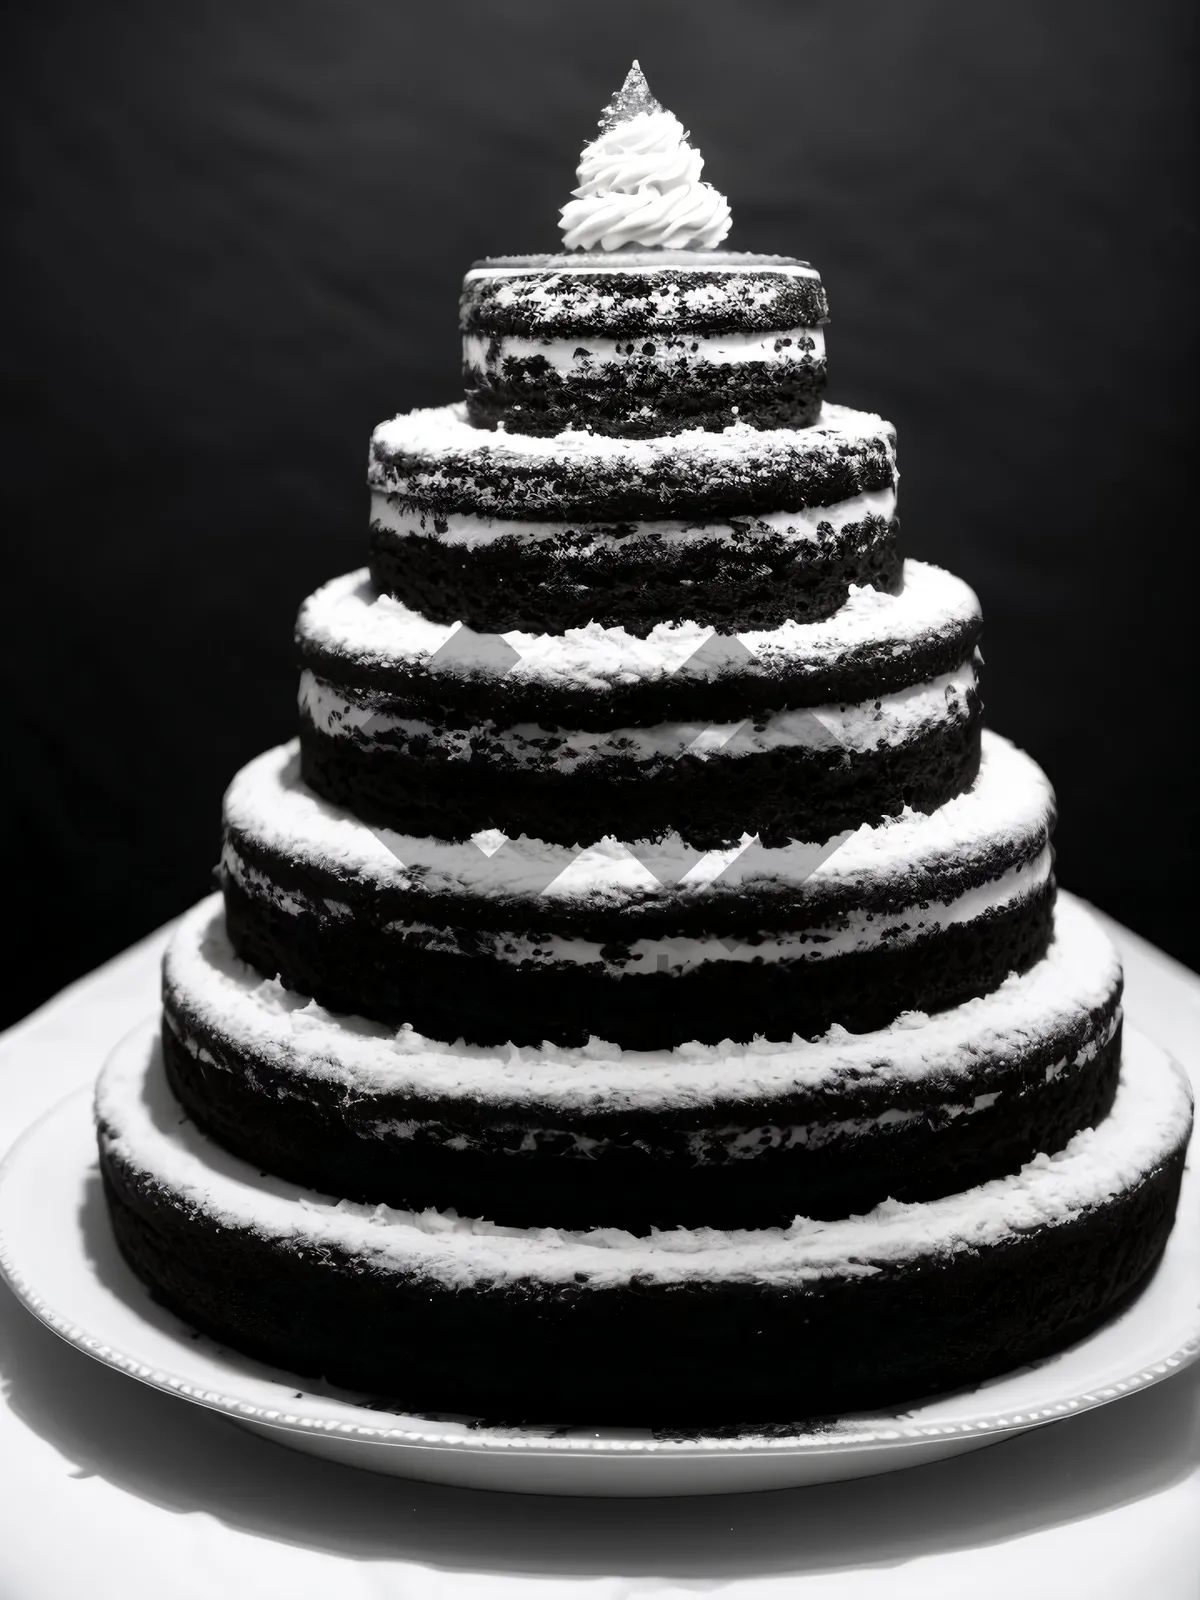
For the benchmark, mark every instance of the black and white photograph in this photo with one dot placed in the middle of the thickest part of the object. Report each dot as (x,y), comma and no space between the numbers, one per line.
(603,981)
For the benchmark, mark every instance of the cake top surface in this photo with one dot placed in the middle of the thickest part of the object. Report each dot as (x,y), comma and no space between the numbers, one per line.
(629,257)
(347,618)
(443,432)
(639,182)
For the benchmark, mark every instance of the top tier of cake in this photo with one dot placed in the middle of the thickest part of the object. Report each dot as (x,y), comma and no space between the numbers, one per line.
(636,344)
(643,326)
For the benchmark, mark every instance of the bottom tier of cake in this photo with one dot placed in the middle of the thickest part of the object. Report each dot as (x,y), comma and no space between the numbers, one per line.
(685,1328)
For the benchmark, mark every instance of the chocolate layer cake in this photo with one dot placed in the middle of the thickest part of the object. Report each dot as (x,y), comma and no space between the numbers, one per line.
(749,527)
(716,1135)
(642,982)
(722,1326)
(647,944)
(429,729)
(649,346)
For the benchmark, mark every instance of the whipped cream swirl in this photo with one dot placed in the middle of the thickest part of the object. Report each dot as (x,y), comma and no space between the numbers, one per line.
(640,184)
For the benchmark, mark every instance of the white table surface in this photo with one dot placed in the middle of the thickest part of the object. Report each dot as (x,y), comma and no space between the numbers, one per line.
(113,1491)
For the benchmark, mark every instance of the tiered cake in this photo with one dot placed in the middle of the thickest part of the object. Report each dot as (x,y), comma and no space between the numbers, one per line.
(640,997)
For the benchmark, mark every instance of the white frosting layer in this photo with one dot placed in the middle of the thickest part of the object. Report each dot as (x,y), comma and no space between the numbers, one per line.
(348,618)
(639,184)
(870,725)
(1009,805)
(584,356)
(845,934)
(143,1131)
(471,532)
(1077,978)
(655,260)
(851,932)
(444,432)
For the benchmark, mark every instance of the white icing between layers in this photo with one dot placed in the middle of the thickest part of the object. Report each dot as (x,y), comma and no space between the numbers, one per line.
(444,432)
(845,934)
(1076,978)
(640,184)
(584,355)
(472,531)
(1009,805)
(347,617)
(142,1130)
(852,932)
(891,719)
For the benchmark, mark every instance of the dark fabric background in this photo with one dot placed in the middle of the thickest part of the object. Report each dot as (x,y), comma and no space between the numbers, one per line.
(236,233)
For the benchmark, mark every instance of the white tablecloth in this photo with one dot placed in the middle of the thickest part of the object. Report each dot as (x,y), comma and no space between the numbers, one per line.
(113,1491)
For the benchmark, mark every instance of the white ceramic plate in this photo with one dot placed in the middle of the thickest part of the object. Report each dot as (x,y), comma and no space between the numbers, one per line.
(57,1253)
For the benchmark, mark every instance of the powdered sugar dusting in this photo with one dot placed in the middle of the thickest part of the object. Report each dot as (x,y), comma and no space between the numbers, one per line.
(1079,976)
(444,432)
(140,1128)
(1007,811)
(552,293)
(348,618)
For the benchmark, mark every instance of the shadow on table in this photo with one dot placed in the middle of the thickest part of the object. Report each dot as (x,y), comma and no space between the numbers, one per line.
(183,1459)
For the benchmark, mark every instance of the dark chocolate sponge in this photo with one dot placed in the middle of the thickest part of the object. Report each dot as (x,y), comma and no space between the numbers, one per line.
(438,461)
(407,783)
(593,574)
(649,1347)
(647,346)
(658,292)
(1015,1075)
(642,398)
(448,984)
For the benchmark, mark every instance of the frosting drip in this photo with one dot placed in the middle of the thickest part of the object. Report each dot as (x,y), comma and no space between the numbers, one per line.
(640,184)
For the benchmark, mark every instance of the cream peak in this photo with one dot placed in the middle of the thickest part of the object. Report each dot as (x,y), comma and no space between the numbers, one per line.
(639,182)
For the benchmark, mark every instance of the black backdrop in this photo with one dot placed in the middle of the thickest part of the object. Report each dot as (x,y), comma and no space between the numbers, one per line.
(235,238)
